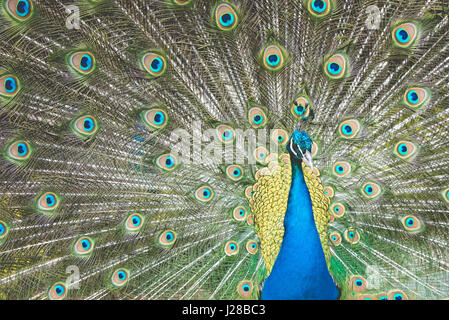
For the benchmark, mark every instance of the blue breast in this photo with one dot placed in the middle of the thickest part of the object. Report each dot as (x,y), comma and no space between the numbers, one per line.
(300,271)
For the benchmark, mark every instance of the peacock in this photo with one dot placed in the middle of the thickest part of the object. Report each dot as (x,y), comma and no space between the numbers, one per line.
(224,149)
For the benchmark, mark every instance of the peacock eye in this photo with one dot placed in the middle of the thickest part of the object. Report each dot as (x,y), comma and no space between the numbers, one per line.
(83,246)
(336,66)
(371,190)
(319,8)
(167,162)
(397,295)
(48,203)
(9,86)
(349,129)
(358,284)
(338,210)
(231,248)
(58,291)
(279,136)
(234,172)
(329,191)
(82,62)
(239,213)
(225,133)
(204,194)
(167,238)
(301,107)
(273,57)
(154,64)
(445,194)
(20,10)
(85,126)
(250,220)
(405,35)
(257,117)
(352,236)
(335,238)
(342,168)
(225,16)
(416,97)
(134,222)
(405,150)
(154,118)
(412,223)
(3,230)
(261,154)
(181,2)
(18,151)
(251,247)
(245,289)
(120,277)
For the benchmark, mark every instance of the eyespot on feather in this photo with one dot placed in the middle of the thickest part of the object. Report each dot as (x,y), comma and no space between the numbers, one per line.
(154,64)
(204,194)
(167,162)
(329,191)
(252,247)
(234,172)
(335,238)
(273,57)
(250,220)
(301,107)
(182,2)
(83,246)
(231,248)
(48,203)
(397,295)
(155,118)
(58,291)
(336,67)
(279,136)
(239,213)
(249,192)
(18,151)
(19,10)
(357,284)
(445,195)
(416,97)
(319,8)
(352,236)
(120,277)
(405,150)
(9,86)
(405,34)
(83,62)
(167,238)
(257,117)
(341,168)
(226,18)
(412,224)
(338,210)
(349,129)
(4,230)
(85,126)
(134,222)
(225,133)
(261,154)
(371,190)
(245,289)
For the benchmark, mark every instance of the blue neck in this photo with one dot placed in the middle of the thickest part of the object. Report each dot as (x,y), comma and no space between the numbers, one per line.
(300,271)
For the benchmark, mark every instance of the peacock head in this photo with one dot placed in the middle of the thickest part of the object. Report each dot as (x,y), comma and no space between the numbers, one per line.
(300,147)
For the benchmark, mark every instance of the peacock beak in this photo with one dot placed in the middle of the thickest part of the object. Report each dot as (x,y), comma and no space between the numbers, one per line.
(307,159)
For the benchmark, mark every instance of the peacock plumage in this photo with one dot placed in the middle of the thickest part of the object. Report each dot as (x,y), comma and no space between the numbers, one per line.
(202,149)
